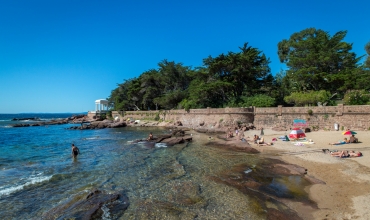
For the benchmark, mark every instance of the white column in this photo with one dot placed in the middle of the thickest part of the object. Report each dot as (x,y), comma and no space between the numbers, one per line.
(96,107)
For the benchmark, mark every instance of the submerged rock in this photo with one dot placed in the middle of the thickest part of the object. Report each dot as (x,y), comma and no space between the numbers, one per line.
(94,205)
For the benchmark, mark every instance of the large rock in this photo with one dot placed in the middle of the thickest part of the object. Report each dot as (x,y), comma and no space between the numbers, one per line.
(99,124)
(160,138)
(172,141)
(90,206)
(118,125)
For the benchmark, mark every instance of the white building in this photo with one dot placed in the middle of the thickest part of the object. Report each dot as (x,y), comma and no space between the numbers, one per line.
(101,105)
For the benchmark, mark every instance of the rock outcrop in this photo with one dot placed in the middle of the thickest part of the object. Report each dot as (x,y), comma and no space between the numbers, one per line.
(92,206)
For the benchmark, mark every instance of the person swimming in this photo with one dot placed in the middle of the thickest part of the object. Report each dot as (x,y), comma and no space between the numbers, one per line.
(75,151)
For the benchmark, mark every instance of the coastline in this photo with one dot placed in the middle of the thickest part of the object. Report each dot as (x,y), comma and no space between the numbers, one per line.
(346,187)
(346,190)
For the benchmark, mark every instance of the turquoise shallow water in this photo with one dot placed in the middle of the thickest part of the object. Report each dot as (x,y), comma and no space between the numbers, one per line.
(37,173)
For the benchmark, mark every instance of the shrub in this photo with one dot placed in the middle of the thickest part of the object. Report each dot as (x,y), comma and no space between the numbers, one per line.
(310,112)
(157,117)
(356,97)
(307,98)
(258,101)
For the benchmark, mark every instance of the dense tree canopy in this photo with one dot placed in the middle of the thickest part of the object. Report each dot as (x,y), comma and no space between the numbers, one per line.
(320,68)
(367,49)
(317,61)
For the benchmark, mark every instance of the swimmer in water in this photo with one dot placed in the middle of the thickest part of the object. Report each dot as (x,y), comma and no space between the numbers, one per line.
(150,136)
(75,151)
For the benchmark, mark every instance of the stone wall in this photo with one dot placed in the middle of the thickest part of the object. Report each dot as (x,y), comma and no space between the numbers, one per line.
(209,117)
(322,117)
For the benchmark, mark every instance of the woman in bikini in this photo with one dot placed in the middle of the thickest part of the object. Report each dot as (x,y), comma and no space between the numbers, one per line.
(345,153)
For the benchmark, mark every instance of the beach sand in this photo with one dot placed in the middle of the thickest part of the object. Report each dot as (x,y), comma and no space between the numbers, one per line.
(346,192)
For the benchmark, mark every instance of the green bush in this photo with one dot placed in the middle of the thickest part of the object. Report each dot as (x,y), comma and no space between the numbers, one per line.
(257,100)
(356,97)
(157,117)
(307,98)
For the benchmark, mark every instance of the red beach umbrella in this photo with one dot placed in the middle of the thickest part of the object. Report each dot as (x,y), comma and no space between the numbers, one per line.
(349,132)
(297,133)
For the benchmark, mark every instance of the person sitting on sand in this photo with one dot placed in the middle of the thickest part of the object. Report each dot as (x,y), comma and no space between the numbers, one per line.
(256,138)
(261,141)
(229,134)
(150,137)
(75,151)
(353,139)
(345,153)
(345,141)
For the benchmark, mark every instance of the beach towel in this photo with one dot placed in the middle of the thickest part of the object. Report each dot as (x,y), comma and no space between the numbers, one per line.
(303,142)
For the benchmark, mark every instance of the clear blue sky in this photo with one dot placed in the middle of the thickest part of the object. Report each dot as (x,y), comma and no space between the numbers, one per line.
(61,55)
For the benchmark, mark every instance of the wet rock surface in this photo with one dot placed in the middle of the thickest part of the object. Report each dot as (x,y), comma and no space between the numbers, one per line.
(24,119)
(177,136)
(269,182)
(95,205)
(51,122)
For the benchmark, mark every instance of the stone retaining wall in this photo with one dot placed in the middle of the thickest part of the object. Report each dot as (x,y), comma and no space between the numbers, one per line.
(321,117)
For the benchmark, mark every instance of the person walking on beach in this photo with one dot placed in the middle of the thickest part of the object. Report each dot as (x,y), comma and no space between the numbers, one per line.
(75,151)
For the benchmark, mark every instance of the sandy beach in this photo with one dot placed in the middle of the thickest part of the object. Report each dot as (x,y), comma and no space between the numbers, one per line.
(346,192)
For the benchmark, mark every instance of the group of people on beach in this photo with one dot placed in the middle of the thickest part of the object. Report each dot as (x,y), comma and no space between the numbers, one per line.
(239,133)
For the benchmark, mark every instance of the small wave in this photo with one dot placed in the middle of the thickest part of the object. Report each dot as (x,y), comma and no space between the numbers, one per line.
(92,138)
(4,191)
(160,145)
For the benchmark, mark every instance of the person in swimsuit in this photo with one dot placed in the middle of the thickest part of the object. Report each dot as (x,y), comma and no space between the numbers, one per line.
(75,151)
(345,141)
(346,154)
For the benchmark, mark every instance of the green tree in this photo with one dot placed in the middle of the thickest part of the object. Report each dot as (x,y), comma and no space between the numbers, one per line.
(244,73)
(367,49)
(174,79)
(308,98)
(317,61)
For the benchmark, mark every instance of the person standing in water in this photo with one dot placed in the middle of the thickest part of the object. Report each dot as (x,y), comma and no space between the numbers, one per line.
(75,151)
(150,137)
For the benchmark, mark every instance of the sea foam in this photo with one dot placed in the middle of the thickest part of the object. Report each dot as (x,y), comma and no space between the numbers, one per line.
(160,145)
(7,190)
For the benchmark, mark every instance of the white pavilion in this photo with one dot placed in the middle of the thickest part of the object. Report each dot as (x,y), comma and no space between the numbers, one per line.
(101,105)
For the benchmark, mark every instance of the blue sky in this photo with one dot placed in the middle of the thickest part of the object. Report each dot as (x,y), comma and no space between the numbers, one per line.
(60,56)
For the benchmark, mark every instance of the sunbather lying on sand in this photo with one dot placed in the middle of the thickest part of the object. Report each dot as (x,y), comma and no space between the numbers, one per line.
(345,141)
(346,154)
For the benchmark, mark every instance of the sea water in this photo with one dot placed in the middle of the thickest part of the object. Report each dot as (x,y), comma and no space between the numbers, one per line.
(37,172)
